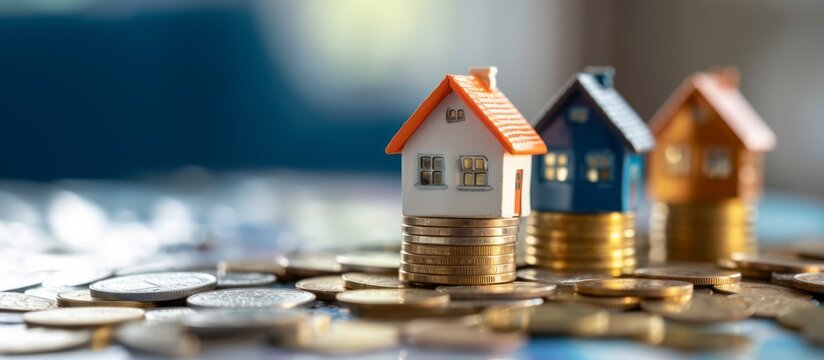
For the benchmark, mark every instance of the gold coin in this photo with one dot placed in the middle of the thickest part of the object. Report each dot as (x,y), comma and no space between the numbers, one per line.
(813,282)
(567,247)
(747,287)
(726,263)
(392,299)
(443,250)
(373,262)
(771,305)
(701,338)
(84,298)
(352,337)
(645,288)
(302,266)
(461,240)
(355,281)
(799,318)
(772,264)
(617,254)
(324,287)
(476,306)
(82,317)
(618,217)
(550,319)
(457,260)
(510,291)
(694,275)
(572,227)
(577,265)
(456,231)
(558,278)
(590,234)
(812,250)
(457,280)
(621,303)
(459,270)
(579,242)
(460,334)
(701,309)
(648,328)
(461,222)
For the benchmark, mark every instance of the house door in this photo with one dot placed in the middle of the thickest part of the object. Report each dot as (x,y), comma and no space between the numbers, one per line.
(519,182)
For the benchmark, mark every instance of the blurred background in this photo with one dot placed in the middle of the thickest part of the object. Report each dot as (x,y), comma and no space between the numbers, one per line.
(162,109)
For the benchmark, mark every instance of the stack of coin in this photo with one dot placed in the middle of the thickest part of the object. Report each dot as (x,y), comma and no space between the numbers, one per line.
(574,243)
(703,232)
(458,251)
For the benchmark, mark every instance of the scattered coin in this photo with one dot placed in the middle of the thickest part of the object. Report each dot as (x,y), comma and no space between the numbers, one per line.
(49,293)
(392,299)
(350,337)
(153,286)
(21,281)
(82,317)
(568,295)
(229,280)
(10,301)
(645,288)
(558,278)
(477,305)
(18,341)
(701,309)
(372,281)
(77,298)
(374,262)
(165,339)
(324,287)
(800,318)
(695,338)
(460,222)
(509,291)
(251,298)
(550,319)
(168,314)
(747,287)
(771,305)
(460,334)
(694,275)
(813,282)
(775,264)
(782,279)
(640,326)
(76,277)
(241,322)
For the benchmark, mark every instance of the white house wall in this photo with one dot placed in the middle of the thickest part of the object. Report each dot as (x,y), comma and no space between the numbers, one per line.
(470,137)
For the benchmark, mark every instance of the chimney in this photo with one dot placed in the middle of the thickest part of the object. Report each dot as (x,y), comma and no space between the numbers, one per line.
(727,76)
(603,74)
(486,75)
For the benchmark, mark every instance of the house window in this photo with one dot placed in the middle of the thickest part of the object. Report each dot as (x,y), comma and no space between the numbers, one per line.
(677,158)
(578,114)
(430,170)
(717,163)
(556,166)
(454,114)
(599,167)
(474,171)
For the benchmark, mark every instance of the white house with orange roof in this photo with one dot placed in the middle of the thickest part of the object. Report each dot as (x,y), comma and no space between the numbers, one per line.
(466,151)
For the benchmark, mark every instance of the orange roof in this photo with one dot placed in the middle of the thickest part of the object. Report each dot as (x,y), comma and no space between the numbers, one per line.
(720,89)
(491,106)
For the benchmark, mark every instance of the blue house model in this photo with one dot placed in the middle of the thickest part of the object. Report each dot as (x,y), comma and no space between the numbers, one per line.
(595,142)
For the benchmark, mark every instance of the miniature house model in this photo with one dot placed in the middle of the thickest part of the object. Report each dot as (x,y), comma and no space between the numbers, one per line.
(466,151)
(594,162)
(710,143)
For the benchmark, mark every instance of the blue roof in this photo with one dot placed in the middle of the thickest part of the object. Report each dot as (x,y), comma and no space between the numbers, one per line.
(609,103)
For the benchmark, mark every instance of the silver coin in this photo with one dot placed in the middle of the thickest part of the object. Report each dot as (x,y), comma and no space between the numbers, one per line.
(50,293)
(76,277)
(21,281)
(224,322)
(251,298)
(169,314)
(166,339)
(153,286)
(10,301)
(82,317)
(37,340)
(244,279)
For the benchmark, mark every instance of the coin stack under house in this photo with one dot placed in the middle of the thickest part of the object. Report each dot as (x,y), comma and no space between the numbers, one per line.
(703,231)
(582,242)
(458,251)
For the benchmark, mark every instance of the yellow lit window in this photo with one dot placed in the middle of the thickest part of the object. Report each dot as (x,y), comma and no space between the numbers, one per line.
(677,158)
(556,166)
(599,167)
(474,171)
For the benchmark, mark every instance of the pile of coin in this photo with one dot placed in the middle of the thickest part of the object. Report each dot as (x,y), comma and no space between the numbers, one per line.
(458,251)
(702,232)
(576,243)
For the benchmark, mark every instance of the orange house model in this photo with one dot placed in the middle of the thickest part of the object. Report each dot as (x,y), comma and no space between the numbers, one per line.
(710,143)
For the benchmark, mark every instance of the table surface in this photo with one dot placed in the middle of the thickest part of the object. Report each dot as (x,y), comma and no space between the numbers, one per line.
(171,220)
